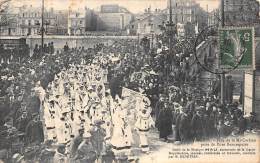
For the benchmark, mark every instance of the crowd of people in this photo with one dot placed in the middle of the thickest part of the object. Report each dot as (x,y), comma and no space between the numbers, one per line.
(16,54)
(70,105)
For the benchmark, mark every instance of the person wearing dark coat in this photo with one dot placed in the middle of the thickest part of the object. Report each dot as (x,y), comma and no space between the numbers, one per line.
(75,143)
(116,86)
(229,90)
(241,122)
(184,126)
(158,107)
(66,47)
(177,126)
(198,125)
(190,103)
(34,131)
(52,48)
(216,87)
(223,129)
(165,122)
(212,123)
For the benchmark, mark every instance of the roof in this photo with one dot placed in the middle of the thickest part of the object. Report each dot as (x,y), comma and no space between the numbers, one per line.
(147,17)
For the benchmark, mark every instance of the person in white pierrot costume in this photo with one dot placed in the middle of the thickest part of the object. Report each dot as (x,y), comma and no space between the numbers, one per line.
(121,139)
(96,111)
(63,126)
(143,124)
(49,118)
(75,117)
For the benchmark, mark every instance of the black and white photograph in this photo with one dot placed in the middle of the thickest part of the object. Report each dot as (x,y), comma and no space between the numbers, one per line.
(129,81)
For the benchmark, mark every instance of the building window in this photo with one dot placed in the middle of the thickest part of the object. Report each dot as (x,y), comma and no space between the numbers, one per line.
(23,15)
(36,22)
(133,26)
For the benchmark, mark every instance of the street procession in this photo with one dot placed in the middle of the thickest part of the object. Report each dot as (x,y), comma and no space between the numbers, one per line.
(110,97)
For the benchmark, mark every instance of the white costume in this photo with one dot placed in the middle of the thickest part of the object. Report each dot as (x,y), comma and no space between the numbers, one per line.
(122,135)
(143,124)
(49,120)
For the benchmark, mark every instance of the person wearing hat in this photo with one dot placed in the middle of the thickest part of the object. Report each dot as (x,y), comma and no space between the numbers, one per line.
(98,134)
(95,111)
(143,124)
(76,142)
(184,126)
(60,155)
(63,128)
(229,85)
(75,120)
(49,118)
(158,107)
(47,153)
(241,122)
(165,119)
(85,151)
(121,139)
(198,124)
(34,131)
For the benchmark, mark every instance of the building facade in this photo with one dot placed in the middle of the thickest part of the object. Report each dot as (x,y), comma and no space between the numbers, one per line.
(77,22)
(214,17)
(9,24)
(30,21)
(147,23)
(187,11)
(91,20)
(27,20)
(113,18)
(183,11)
(241,12)
(61,25)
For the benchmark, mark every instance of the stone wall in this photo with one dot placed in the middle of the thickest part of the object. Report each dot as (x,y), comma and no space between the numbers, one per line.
(76,41)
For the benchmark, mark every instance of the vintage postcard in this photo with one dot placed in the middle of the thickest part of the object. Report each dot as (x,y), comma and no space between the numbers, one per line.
(129,81)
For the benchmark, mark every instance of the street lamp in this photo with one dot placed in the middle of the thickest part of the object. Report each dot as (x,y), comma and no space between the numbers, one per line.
(42,27)
(170,30)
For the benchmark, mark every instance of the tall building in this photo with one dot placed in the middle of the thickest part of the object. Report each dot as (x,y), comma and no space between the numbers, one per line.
(91,20)
(61,22)
(27,20)
(30,20)
(77,22)
(241,12)
(9,24)
(214,17)
(187,11)
(183,10)
(113,18)
(147,23)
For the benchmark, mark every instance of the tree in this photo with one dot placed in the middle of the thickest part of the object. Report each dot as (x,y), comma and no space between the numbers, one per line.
(4,5)
(5,18)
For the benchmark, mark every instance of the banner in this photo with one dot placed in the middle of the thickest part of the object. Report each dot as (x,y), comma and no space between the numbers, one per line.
(132,100)
(138,76)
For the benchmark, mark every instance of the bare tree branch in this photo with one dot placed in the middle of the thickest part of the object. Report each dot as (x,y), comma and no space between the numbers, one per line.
(3,5)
